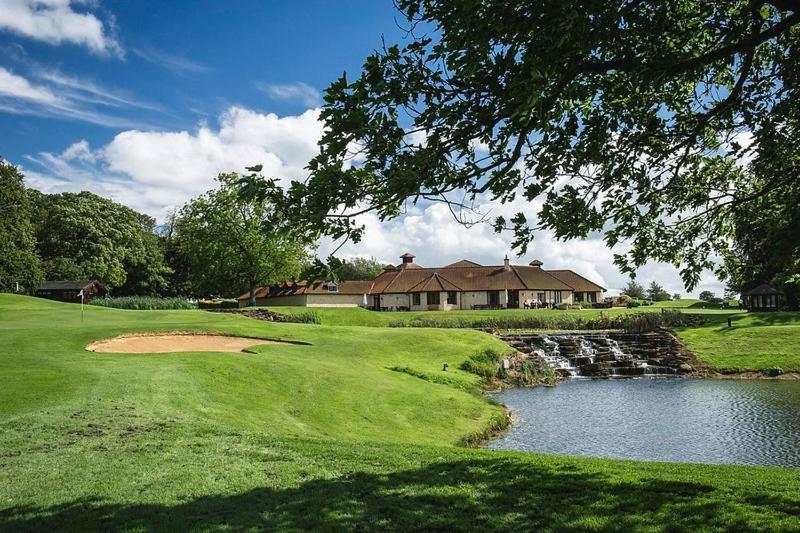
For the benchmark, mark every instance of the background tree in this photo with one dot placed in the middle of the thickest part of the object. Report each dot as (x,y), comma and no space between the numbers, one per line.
(360,268)
(634,290)
(676,296)
(234,244)
(766,237)
(180,281)
(19,264)
(628,118)
(656,292)
(707,296)
(85,236)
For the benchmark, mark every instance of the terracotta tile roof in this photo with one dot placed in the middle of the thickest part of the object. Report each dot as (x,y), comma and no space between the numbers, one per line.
(463,263)
(576,281)
(434,283)
(292,288)
(471,278)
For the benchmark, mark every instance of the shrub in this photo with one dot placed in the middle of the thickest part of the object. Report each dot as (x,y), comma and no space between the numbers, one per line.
(633,303)
(144,303)
(566,322)
(483,363)
(307,317)
(585,305)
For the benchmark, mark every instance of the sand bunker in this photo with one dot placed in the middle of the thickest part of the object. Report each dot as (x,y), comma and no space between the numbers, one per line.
(176,342)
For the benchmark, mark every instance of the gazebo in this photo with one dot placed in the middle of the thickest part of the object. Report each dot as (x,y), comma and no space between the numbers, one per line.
(764,297)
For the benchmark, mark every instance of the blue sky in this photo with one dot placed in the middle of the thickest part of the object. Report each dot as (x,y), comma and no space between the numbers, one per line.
(146,102)
(189,61)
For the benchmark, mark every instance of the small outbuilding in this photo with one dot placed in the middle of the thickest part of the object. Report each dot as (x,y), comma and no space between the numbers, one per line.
(69,290)
(311,294)
(765,297)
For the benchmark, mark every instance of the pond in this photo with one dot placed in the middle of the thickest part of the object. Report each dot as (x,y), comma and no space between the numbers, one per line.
(753,422)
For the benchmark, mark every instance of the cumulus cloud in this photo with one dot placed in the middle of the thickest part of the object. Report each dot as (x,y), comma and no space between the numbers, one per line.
(156,171)
(294,92)
(57,22)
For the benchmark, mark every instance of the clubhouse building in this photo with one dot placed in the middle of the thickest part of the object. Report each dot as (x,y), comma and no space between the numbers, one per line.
(464,284)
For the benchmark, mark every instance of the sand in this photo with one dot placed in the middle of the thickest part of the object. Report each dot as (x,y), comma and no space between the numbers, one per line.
(176,342)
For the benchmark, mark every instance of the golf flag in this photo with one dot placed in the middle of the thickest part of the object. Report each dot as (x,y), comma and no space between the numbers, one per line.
(80,295)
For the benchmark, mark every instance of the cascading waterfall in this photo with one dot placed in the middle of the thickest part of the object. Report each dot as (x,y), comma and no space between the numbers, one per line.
(602,354)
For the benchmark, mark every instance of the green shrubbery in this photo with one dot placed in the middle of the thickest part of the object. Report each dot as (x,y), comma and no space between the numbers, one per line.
(483,363)
(308,317)
(144,303)
(636,322)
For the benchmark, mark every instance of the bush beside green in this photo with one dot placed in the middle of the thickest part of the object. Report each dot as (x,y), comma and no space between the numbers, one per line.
(633,322)
(307,317)
(144,303)
(483,363)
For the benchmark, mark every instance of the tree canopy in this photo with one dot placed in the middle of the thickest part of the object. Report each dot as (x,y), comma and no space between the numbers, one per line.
(651,122)
(634,290)
(85,236)
(656,292)
(360,268)
(19,264)
(234,244)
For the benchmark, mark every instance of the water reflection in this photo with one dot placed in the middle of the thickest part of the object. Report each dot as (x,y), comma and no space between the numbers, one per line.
(685,420)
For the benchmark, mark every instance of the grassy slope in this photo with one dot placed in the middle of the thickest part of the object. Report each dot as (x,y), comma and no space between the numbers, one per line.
(757,341)
(317,436)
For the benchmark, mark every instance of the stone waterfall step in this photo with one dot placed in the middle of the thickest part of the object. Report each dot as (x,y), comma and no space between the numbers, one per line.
(606,354)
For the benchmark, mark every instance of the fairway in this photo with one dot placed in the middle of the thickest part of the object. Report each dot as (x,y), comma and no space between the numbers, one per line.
(293,436)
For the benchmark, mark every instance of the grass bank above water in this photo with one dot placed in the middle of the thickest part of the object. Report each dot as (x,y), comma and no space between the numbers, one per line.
(326,436)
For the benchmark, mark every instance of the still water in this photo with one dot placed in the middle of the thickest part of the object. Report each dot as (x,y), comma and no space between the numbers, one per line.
(685,420)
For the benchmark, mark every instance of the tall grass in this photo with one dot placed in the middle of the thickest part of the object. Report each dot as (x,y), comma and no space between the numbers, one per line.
(307,317)
(143,303)
(635,323)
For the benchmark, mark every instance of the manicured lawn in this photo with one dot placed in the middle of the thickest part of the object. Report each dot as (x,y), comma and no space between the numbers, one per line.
(297,437)
(756,341)
(694,304)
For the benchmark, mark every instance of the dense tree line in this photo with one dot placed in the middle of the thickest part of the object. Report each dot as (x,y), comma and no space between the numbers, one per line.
(218,244)
(19,264)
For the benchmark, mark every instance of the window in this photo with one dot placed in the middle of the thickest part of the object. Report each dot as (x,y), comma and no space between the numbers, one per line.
(332,287)
(433,298)
(557,297)
(578,296)
(452,298)
(540,297)
(415,298)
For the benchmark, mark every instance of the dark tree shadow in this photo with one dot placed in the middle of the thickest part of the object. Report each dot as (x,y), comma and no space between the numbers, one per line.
(464,495)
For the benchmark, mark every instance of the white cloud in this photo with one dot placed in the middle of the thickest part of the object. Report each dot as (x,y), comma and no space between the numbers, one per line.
(57,22)
(297,92)
(155,171)
(56,95)
(173,63)
(17,87)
